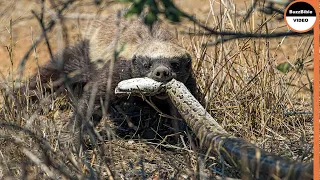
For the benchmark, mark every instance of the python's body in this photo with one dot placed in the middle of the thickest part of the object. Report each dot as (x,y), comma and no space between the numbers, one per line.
(236,151)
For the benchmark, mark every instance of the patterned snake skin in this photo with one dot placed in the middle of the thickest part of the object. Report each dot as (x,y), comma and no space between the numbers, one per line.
(239,153)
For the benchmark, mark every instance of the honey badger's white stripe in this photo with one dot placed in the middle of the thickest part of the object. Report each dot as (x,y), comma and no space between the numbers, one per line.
(160,49)
(135,38)
(102,36)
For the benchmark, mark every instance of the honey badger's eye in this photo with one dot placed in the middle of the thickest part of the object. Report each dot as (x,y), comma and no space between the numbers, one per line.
(175,65)
(146,65)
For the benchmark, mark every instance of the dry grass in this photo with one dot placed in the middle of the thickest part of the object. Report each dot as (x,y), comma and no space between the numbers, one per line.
(249,96)
(242,88)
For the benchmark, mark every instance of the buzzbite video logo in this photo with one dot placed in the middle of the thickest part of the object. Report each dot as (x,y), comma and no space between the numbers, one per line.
(300,16)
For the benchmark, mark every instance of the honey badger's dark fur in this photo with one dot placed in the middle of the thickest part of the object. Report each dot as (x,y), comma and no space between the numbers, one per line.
(145,53)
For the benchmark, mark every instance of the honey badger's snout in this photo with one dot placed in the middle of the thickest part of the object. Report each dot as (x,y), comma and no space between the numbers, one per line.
(162,74)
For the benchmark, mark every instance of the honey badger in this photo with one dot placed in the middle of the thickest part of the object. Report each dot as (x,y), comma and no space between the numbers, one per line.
(141,53)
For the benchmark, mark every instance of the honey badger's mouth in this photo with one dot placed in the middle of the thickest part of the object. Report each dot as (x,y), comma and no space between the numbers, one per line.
(162,96)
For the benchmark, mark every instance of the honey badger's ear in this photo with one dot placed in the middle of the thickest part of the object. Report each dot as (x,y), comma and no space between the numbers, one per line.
(134,59)
(188,61)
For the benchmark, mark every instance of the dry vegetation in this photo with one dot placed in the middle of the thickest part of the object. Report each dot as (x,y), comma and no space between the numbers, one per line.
(243,90)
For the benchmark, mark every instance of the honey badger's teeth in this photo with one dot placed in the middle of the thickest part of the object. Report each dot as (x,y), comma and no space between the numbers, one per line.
(146,86)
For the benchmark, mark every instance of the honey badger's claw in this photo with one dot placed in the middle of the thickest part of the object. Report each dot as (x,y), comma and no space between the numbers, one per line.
(145,86)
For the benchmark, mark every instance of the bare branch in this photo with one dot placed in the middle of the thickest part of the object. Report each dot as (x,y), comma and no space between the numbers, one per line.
(45,29)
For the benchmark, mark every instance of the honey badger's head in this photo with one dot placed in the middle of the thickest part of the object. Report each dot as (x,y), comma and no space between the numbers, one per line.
(161,61)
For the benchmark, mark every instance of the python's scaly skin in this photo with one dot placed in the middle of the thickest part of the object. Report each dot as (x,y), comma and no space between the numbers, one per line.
(239,153)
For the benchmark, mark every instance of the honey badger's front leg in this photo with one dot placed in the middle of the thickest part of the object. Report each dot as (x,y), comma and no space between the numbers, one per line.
(88,110)
(160,69)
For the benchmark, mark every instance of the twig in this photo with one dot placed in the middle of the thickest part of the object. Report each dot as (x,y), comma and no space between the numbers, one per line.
(40,18)
(47,28)
(293,113)
(237,35)
(45,146)
(258,35)
(240,35)
(39,163)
